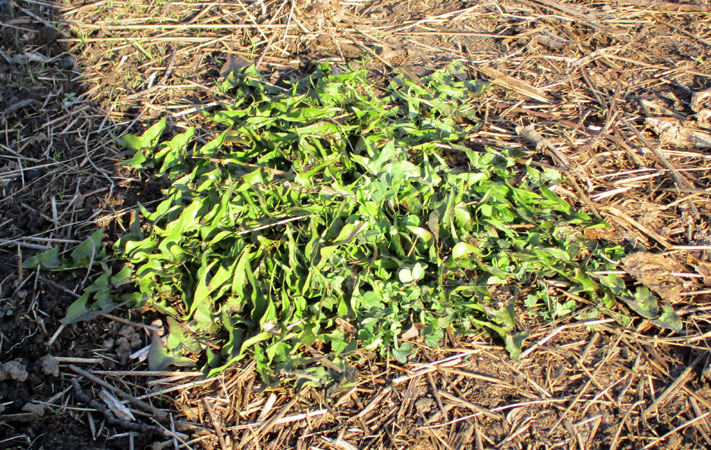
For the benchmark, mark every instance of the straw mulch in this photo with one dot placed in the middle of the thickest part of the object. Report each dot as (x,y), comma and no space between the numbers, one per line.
(613,94)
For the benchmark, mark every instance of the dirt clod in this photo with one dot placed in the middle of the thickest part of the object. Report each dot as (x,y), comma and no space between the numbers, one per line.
(35,409)
(49,365)
(13,370)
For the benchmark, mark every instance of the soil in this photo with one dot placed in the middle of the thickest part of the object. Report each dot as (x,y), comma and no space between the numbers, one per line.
(66,92)
(54,200)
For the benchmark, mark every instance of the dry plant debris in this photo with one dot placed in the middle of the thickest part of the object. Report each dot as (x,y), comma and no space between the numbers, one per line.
(592,79)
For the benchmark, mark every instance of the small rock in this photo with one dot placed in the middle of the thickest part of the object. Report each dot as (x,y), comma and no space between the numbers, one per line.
(161,445)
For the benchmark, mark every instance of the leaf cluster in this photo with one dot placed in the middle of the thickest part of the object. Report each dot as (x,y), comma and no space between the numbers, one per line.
(334,215)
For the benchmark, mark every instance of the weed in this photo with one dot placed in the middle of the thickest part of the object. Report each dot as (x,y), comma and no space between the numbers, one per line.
(327,216)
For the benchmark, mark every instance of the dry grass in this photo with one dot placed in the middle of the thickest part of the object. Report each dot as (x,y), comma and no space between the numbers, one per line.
(607,92)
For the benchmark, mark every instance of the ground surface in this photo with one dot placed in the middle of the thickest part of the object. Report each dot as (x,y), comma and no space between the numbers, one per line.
(597,81)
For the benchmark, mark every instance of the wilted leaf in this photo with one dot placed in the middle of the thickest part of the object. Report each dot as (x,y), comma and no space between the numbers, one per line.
(514,343)
(670,320)
(345,327)
(410,334)
(703,268)
(644,303)
(655,271)
(673,133)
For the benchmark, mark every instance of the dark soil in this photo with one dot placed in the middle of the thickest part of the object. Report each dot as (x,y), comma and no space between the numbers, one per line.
(46,193)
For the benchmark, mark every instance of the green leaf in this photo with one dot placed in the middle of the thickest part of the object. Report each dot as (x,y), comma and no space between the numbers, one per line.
(402,352)
(406,276)
(369,300)
(507,316)
(136,161)
(148,140)
(669,319)
(558,253)
(79,311)
(514,343)
(644,303)
(555,201)
(464,250)
(46,260)
(160,358)
(88,250)
(202,292)
(123,277)
(330,200)
(421,233)
(418,272)
(325,255)
(615,283)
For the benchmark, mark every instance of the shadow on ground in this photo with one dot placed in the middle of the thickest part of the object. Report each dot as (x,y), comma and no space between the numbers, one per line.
(55,178)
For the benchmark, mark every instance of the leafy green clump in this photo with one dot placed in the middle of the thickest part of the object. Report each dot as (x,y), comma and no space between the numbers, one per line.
(330,216)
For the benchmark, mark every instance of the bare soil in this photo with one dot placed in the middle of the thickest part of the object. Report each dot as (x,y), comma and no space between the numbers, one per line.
(579,85)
